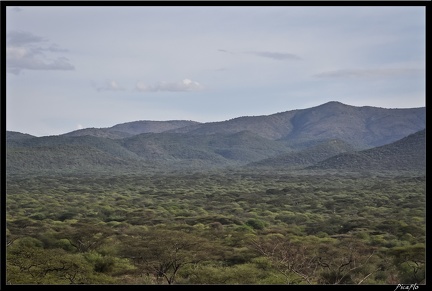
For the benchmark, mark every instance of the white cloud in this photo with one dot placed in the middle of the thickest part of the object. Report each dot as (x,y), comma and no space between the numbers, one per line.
(182,86)
(16,52)
(109,85)
(23,54)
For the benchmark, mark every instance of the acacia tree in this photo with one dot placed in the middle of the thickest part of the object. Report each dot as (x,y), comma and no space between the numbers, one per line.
(86,237)
(333,262)
(162,253)
(410,262)
(28,263)
(295,261)
(347,261)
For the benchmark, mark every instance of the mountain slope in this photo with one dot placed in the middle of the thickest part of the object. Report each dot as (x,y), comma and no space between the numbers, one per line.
(269,126)
(106,145)
(147,126)
(99,132)
(362,127)
(17,136)
(83,154)
(132,128)
(306,157)
(235,148)
(62,154)
(64,159)
(408,153)
(291,139)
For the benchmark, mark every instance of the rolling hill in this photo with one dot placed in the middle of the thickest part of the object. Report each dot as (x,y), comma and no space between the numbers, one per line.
(159,150)
(236,148)
(132,128)
(406,154)
(17,136)
(362,127)
(330,136)
(306,157)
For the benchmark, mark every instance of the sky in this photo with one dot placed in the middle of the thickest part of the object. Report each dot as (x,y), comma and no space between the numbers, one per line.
(72,67)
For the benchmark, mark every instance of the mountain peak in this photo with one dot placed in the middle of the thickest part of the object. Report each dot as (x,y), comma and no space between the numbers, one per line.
(334,104)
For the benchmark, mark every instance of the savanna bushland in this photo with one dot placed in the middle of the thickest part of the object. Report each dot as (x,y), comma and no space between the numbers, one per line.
(218,227)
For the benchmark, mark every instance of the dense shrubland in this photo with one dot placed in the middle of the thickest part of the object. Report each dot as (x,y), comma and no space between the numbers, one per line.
(230,227)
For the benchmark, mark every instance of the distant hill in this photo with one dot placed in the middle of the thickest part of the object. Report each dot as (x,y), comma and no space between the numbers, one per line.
(241,147)
(146,126)
(14,135)
(362,127)
(61,154)
(139,152)
(305,157)
(106,145)
(406,154)
(329,136)
(272,127)
(65,159)
(132,128)
(99,132)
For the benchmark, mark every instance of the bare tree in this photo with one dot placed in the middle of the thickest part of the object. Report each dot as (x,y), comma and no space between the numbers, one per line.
(162,253)
(293,260)
(340,262)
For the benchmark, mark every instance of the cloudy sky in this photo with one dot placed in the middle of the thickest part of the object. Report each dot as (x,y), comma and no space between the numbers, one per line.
(78,67)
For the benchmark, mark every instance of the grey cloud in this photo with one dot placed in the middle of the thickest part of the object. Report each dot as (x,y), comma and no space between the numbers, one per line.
(182,86)
(29,61)
(276,56)
(16,9)
(20,38)
(225,51)
(265,54)
(362,73)
(23,54)
(55,48)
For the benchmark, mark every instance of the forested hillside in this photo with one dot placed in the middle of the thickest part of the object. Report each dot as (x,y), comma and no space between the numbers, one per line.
(407,154)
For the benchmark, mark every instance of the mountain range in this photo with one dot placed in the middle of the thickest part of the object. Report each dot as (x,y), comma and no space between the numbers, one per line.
(330,136)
